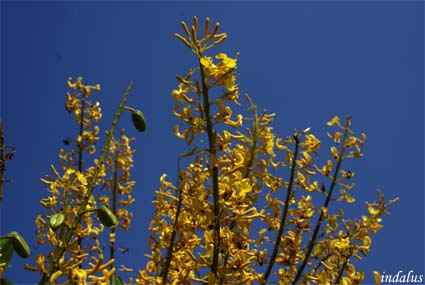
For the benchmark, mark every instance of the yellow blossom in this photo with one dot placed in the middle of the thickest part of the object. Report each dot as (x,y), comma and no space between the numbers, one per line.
(377,277)
(226,61)
(335,121)
(366,243)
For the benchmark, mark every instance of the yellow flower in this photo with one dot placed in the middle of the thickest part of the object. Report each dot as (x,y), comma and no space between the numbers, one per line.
(207,62)
(226,61)
(268,139)
(323,278)
(377,277)
(55,276)
(341,243)
(311,143)
(49,202)
(336,137)
(335,121)
(372,210)
(81,178)
(244,188)
(236,123)
(40,260)
(346,197)
(366,243)
(180,95)
(334,152)
(128,201)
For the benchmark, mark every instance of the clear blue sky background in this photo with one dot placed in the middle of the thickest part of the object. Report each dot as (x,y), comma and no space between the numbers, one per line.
(305,61)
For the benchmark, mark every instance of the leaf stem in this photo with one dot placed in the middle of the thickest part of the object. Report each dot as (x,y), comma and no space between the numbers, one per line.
(129,109)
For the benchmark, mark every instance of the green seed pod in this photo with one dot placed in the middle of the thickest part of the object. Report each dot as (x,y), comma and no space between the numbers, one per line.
(20,245)
(6,249)
(138,120)
(116,280)
(106,217)
(56,220)
(5,281)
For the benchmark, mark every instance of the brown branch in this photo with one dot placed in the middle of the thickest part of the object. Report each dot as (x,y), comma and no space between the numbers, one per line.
(284,214)
(325,206)
(214,170)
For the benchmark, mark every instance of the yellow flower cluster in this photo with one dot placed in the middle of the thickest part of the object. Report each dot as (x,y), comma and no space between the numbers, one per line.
(248,206)
(232,218)
(119,185)
(71,229)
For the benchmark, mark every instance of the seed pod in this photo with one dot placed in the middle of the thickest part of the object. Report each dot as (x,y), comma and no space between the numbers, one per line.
(138,120)
(56,220)
(5,281)
(6,249)
(116,280)
(106,217)
(20,245)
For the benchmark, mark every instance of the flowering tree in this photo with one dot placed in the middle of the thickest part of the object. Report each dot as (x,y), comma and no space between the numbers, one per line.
(248,207)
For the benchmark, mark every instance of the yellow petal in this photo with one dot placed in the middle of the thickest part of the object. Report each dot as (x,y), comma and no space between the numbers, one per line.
(377,277)
(334,121)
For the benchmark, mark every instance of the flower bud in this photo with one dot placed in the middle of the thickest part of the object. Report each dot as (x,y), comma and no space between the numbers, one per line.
(138,120)
(106,217)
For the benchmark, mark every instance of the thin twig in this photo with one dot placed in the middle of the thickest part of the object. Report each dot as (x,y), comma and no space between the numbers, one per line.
(114,199)
(325,206)
(284,214)
(80,162)
(214,170)
(2,160)
(170,250)
(342,269)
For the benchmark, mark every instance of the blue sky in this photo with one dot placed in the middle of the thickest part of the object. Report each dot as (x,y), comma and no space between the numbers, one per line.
(305,61)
